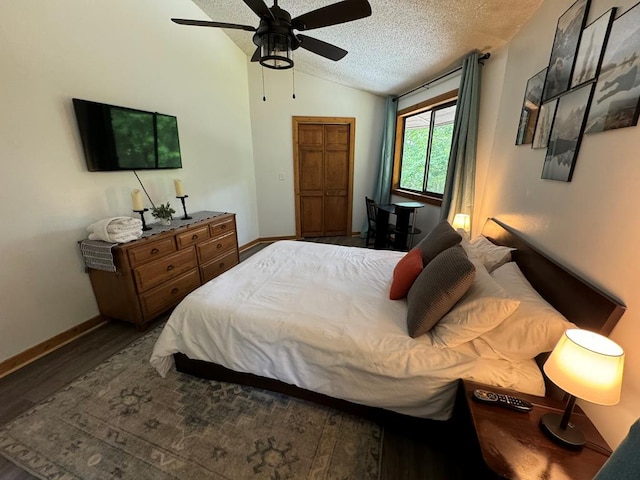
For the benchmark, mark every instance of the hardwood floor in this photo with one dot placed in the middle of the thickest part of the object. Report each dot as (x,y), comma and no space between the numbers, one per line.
(413,448)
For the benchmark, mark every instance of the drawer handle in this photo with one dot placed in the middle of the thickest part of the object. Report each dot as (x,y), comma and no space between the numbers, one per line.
(219,245)
(194,237)
(222,227)
(174,290)
(221,265)
(170,267)
(154,251)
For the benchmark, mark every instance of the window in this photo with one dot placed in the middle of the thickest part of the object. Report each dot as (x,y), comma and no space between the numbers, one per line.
(423,144)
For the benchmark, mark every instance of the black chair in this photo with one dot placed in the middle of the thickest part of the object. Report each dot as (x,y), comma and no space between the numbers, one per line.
(372,219)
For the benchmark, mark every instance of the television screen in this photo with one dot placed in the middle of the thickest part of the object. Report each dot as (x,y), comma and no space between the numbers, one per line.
(120,138)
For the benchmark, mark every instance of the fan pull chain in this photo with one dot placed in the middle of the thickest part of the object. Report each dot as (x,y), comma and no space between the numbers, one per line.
(293,73)
(264,97)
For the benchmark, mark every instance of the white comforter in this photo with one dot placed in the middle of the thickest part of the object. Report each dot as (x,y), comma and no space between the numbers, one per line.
(319,316)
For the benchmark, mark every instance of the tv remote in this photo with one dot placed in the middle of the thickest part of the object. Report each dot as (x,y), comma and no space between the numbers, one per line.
(507,401)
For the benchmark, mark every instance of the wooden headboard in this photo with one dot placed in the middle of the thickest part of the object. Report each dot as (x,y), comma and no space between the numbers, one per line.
(580,302)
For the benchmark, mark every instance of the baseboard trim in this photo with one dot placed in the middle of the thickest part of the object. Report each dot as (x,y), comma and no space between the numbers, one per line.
(30,355)
(258,241)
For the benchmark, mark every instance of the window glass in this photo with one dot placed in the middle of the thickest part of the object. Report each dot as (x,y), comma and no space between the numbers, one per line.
(423,156)
(440,149)
(414,151)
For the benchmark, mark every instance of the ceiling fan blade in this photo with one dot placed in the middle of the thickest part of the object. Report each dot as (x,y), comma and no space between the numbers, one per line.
(321,48)
(256,55)
(206,23)
(341,12)
(260,9)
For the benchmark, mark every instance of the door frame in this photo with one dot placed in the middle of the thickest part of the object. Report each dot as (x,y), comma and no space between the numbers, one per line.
(351,122)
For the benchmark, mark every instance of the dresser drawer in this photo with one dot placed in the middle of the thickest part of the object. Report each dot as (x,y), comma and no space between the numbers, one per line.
(165,296)
(192,236)
(218,265)
(151,251)
(222,227)
(163,269)
(216,246)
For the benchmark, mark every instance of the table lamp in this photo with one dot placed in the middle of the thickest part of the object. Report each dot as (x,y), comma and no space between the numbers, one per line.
(463,221)
(586,365)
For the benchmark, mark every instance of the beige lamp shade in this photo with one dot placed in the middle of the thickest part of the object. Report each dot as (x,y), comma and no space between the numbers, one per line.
(461,220)
(588,366)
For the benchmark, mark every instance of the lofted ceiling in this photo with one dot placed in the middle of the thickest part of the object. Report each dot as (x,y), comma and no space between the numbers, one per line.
(401,45)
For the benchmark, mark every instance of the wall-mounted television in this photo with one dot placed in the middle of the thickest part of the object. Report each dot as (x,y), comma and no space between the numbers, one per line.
(121,138)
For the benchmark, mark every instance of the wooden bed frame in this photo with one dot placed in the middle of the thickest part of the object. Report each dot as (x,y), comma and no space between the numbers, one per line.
(579,301)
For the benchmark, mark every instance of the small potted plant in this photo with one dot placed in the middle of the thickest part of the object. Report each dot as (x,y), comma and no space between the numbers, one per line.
(164,213)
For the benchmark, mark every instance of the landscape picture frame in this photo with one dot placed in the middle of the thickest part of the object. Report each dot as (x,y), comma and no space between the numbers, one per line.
(591,50)
(565,45)
(530,108)
(544,124)
(616,102)
(566,134)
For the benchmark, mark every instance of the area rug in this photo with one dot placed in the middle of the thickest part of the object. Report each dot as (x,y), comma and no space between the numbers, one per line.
(123,421)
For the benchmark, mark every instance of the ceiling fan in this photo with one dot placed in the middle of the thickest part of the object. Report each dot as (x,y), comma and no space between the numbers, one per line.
(275,38)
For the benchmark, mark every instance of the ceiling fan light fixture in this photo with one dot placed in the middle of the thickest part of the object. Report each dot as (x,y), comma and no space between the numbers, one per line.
(275,51)
(275,38)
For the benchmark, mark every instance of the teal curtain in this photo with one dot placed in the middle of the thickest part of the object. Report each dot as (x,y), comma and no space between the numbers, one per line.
(382,188)
(459,187)
(382,192)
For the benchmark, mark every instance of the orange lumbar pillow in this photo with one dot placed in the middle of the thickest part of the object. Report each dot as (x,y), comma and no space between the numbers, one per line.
(405,273)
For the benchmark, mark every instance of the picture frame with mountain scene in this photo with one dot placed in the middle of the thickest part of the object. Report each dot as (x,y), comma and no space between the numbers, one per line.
(565,46)
(530,108)
(616,102)
(544,124)
(591,51)
(566,134)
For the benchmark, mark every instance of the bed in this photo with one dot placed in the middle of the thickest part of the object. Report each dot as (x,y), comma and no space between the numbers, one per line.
(303,319)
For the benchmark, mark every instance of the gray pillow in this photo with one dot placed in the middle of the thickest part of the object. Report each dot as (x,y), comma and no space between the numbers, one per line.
(443,236)
(437,289)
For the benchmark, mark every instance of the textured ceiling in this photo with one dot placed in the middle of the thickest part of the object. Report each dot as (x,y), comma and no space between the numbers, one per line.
(401,45)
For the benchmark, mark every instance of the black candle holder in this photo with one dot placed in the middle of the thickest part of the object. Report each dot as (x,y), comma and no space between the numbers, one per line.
(141,212)
(184,208)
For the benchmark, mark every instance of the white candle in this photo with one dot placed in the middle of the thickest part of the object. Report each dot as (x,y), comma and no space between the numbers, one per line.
(136,198)
(179,190)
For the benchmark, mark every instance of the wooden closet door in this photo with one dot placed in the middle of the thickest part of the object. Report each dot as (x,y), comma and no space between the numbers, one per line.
(324,166)
(311,179)
(336,179)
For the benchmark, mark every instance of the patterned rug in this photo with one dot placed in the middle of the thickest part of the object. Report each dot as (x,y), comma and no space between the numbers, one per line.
(123,421)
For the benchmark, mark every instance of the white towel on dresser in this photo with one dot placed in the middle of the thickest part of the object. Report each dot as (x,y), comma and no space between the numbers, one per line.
(116,229)
(116,237)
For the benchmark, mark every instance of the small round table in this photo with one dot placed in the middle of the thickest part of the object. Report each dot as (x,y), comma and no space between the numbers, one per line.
(405,211)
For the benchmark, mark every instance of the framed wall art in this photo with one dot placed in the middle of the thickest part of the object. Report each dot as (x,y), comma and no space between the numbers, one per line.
(543,127)
(563,52)
(594,38)
(566,134)
(530,108)
(616,99)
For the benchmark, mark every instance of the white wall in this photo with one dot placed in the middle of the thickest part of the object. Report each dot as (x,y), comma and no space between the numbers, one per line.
(588,224)
(273,140)
(120,52)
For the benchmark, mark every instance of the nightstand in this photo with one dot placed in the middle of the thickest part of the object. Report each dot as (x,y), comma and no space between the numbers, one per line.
(513,446)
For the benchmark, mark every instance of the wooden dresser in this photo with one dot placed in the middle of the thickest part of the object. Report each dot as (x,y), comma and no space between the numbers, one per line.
(154,273)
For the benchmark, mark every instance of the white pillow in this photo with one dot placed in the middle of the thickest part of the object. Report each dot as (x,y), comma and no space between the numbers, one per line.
(491,255)
(483,307)
(535,327)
